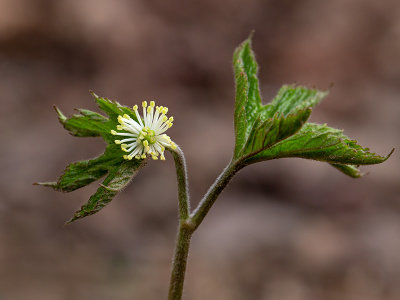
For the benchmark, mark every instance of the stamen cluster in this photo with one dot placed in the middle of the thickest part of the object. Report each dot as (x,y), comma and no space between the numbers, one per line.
(145,136)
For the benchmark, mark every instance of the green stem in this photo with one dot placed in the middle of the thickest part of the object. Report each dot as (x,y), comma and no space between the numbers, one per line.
(181,174)
(179,263)
(189,223)
(185,232)
(212,194)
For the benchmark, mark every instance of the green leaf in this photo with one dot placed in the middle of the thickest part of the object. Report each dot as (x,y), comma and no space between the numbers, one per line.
(79,174)
(258,126)
(85,124)
(266,133)
(118,178)
(291,99)
(82,173)
(320,142)
(89,124)
(248,99)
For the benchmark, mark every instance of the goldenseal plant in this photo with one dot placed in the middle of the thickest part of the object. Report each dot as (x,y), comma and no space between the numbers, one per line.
(262,132)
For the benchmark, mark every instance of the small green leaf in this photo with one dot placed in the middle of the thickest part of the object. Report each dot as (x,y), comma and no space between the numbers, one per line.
(248,99)
(118,178)
(79,174)
(90,124)
(291,99)
(82,173)
(85,124)
(320,142)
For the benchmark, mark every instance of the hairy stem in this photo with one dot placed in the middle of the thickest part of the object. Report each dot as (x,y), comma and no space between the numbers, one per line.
(184,232)
(179,263)
(183,192)
(212,194)
(188,223)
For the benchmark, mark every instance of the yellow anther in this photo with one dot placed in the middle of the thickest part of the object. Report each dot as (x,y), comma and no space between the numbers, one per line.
(145,135)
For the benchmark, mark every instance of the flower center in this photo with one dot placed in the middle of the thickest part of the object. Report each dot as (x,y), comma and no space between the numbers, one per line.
(147,135)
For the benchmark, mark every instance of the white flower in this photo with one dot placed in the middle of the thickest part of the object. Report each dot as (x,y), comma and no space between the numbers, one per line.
(145,136)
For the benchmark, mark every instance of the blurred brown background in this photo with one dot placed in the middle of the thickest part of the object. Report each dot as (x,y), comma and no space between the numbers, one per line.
(288,230)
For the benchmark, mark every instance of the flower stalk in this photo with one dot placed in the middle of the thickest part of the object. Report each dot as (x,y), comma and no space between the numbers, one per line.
(182,178)
(188,223)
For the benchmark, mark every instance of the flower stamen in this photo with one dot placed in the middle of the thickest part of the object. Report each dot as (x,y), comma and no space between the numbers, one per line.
(145,136)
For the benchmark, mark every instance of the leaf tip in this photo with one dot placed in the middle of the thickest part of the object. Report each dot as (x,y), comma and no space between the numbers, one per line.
(51,184)
(251,35)
(359,174)
(75,217)
(69,222)
(93,94)
(243,45)
(324,93)
(389,155)
(61,116)
(363,174)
